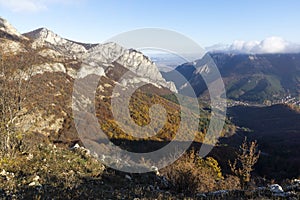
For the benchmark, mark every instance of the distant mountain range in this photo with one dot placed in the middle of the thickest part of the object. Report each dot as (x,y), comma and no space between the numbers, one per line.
(248,77)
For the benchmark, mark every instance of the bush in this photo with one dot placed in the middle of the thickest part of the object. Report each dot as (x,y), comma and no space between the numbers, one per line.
(191,174)
(230,182)
(243,165)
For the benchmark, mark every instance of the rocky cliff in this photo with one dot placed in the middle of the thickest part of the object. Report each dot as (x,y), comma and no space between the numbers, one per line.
(50,63)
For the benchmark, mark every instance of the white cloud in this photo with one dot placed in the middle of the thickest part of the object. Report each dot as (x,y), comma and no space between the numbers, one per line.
(273,45)
(268,45)
(31,5)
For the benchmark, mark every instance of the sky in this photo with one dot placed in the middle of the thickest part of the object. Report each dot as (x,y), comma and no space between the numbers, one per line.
(244,24)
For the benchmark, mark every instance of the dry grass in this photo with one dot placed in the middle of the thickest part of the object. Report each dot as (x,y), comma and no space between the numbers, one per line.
(47,165)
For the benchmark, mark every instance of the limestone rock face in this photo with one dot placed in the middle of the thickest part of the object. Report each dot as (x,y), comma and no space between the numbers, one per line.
(13,47)
(7,28)
(10,38)
(98,57)
(134,61)
(43,37)
(39,122)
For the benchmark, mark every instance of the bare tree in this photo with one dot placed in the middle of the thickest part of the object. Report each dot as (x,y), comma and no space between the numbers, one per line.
(243,165)
(13,91)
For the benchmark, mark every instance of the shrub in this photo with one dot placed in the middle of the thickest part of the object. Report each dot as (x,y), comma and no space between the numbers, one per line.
(191,174)
(230,182)
(245,161)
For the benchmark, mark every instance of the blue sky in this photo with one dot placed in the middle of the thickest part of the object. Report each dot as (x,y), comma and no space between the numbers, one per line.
(206,22)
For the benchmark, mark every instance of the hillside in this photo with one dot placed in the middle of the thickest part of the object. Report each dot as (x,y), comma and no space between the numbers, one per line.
(276,129)
(50,64)
(252,78)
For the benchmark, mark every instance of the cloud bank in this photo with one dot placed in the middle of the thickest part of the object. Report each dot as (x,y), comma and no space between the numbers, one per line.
(31,5)
(268,45)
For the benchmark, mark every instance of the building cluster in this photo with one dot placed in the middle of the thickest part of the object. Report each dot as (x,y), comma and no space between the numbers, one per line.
(289,100)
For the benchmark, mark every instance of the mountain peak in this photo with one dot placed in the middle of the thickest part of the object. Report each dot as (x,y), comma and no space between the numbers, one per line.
(41,32)
(9,31)
(44,37)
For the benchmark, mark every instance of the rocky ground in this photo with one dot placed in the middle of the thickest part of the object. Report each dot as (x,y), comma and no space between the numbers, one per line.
(55,173)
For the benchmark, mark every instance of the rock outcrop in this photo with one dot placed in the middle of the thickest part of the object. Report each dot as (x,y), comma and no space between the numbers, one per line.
(8,31)
(45,38)
(98,56)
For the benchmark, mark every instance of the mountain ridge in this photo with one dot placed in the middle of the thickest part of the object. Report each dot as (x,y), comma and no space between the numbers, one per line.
(50,64)
(248,77)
